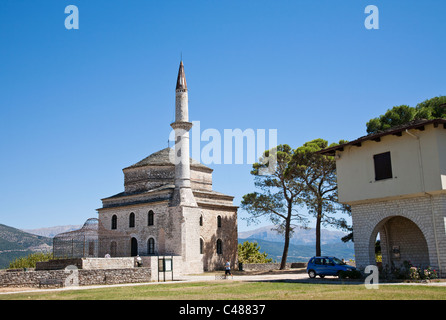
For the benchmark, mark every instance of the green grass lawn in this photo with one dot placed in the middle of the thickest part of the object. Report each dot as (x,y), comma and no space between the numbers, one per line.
(240,290)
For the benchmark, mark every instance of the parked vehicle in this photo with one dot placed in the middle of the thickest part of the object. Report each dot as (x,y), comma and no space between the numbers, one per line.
(326,266)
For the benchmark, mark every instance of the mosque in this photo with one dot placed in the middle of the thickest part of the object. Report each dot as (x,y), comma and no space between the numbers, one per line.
(168,206)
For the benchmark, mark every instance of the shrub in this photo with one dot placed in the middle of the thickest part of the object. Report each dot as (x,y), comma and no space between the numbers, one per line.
(408,272)
(30,260)
(249,252)
(422,274)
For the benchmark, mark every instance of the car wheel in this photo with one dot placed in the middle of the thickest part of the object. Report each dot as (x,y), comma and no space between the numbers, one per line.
(312,274)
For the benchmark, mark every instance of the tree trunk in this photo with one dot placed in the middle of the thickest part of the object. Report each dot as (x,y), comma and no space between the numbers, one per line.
(285,249)
(318,230)
(287,239)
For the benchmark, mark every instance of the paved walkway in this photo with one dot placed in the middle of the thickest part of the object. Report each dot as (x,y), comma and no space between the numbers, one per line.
(287,275)
(296,276)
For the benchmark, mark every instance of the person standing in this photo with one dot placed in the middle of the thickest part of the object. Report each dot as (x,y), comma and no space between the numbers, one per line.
(138,261)
(228,269)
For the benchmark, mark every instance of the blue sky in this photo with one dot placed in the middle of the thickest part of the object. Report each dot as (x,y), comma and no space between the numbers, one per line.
(77,106)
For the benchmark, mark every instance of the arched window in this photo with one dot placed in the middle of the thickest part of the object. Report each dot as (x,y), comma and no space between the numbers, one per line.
(219,246)
(150,218)
(201,246)
(201,220)
(132,220)
(151,246)
(114,222)
(219,221)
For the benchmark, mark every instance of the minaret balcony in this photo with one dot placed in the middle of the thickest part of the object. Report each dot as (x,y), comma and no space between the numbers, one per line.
(185,125)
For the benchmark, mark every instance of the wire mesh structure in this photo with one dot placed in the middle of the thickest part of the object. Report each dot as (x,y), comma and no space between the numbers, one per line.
(92,240)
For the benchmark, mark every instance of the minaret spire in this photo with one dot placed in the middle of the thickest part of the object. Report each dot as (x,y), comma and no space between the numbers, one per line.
(181,79)
(183,192)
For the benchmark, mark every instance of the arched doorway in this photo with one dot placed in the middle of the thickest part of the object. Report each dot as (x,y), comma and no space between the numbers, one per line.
(400,240)
(113,249)
(133,247)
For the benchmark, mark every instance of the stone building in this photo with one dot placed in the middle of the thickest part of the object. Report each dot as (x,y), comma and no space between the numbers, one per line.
(168,206)
(395,182)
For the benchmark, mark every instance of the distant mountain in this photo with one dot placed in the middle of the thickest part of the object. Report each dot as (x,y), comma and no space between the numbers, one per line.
(302,244)
(50,232)
(16,243)
(303,253)
(300,236)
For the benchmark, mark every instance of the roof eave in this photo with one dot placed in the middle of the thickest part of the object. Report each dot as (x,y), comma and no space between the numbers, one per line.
(377,136)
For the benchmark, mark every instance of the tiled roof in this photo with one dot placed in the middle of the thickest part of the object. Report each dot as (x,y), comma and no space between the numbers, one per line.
(161,158)
(397,130)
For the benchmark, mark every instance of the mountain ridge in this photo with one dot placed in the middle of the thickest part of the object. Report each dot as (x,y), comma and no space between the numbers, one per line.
(302,243)
(300,236)
(302,253)
(15,243)
(50,232)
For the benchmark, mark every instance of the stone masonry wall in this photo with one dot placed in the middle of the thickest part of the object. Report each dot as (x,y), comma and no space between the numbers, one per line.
(167,235)
(86,277)
(108,263)
(141,231)
(427,212)
(87,263)
(211,232)
(271,266)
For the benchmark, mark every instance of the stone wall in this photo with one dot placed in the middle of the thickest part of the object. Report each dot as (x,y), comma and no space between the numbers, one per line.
(428,213)
(33,278)
(211,233)
(141,231)
(108,263)
(59,264)
(167,226)
(271,266)
(87,263)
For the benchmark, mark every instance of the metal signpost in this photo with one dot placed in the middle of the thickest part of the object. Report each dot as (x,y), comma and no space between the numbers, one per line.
(165,265)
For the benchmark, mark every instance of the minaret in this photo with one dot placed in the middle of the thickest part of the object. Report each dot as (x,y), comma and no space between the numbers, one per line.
(183,192)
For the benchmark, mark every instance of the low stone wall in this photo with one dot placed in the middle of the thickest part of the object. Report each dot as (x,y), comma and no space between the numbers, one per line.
(87,263)
(108,263)
(93,271)
(35,278)
(114,276)
(59,264)
(271,266)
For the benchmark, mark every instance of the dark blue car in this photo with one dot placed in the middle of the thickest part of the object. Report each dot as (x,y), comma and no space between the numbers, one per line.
(326,266)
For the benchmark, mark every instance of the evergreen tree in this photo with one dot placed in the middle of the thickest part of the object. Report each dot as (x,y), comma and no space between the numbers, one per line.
(279,194)
(318,173)
(429,109)
(249,252)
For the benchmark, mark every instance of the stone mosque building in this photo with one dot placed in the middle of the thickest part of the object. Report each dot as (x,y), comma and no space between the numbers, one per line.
(168,206)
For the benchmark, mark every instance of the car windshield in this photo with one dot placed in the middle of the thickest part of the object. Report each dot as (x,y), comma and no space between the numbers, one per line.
(337,261)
